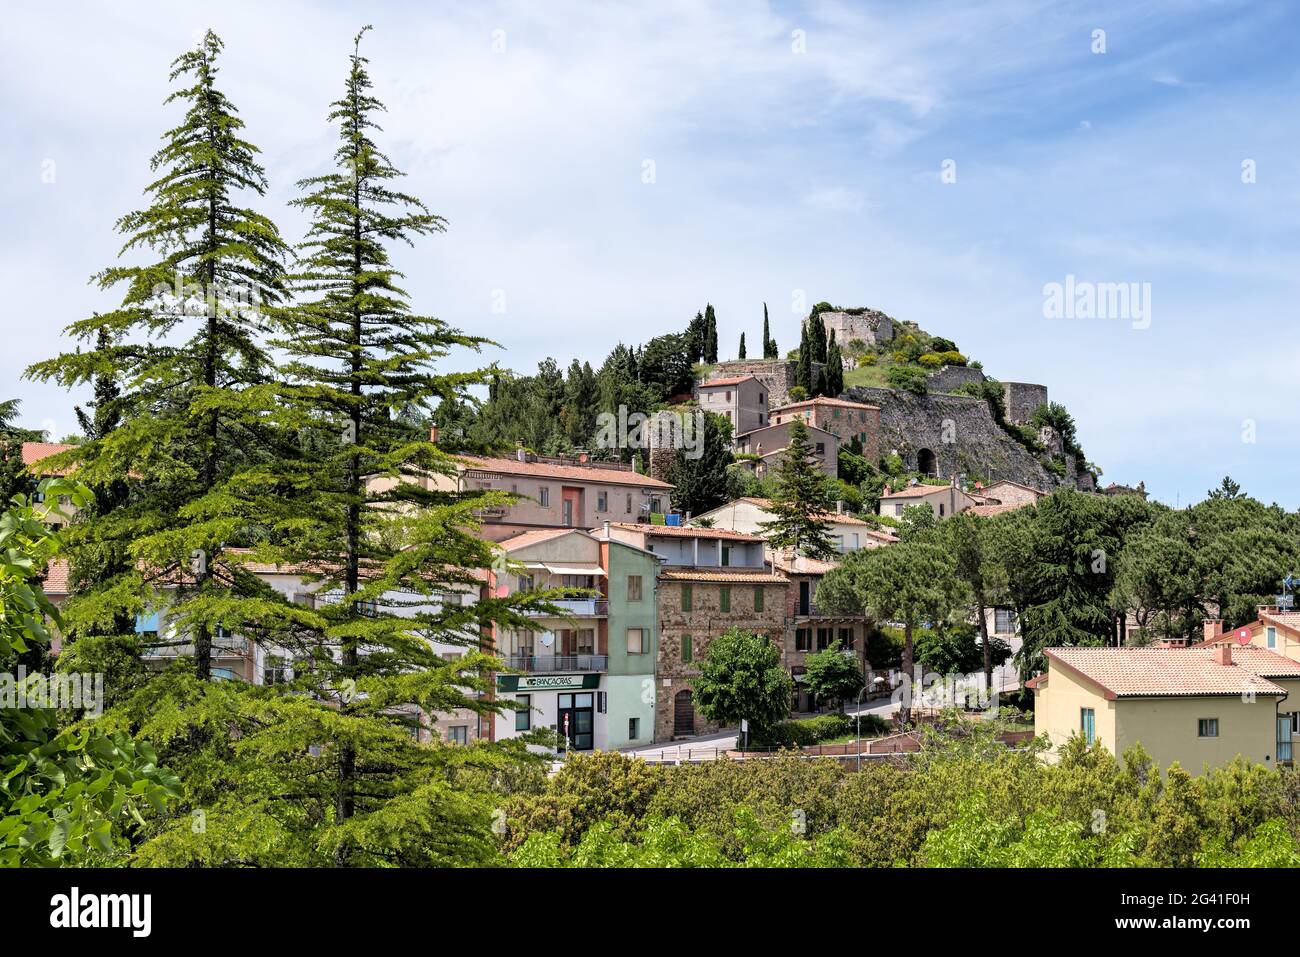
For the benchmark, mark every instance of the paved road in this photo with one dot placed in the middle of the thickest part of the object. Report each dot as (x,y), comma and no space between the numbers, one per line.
(707,747)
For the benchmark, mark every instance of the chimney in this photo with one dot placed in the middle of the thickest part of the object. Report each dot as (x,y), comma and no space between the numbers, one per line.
(839,506)
(607,528)
(636,465)
(583,457)
(1223,653)
(1213,628)
(1263,610)
(521,453)
(433,432)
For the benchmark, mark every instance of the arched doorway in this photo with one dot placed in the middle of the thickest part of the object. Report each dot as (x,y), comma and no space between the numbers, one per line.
(927,463)
(683,713)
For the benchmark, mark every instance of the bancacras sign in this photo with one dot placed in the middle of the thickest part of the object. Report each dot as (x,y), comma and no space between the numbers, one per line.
(547,682)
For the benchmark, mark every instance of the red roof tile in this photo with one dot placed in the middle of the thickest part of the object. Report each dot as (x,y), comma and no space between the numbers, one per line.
(687,531)
(730,380)
(577,473)
(34,452)
(1175,672)
(826,400)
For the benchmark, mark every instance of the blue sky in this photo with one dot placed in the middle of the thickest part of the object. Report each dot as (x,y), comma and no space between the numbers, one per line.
(781,175)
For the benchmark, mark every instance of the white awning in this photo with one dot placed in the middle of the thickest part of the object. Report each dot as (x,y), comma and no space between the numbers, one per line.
(573,568)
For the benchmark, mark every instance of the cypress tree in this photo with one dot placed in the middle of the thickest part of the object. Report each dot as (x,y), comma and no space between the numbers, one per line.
(710,335)
(834,371)
(741,352)
(769,344)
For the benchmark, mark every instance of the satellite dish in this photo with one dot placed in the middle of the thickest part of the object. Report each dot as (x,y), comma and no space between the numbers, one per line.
(547,639)
(1243,636)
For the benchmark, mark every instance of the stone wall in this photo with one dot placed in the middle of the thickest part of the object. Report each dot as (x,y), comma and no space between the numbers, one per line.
(949,378)
(777,374)
(962,434)
(1022,399)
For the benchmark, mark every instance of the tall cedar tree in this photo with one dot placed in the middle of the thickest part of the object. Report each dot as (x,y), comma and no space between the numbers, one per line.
(186,345)
(392,555)
(801,501)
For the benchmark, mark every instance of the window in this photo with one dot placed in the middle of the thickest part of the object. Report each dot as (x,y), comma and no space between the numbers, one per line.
(1088,725)
(1207,727)
(728,395)
(941,509)
(633,587)
(898,509)
(633,728)
(601,699)
(762,399)
(636,641)
(726,556)
(1004,621)
(686,649)
(524,717)
(629,503)
(803,639)
(586,644)
(275,670)
(687,597)
(527,582)
(846,638)
(1272,636)
(758,598)
(724,598)
(544,496)
(821,448)
(1295,722)
(458,734)
(602,501)
(835,413)
(823,638)
(523,643)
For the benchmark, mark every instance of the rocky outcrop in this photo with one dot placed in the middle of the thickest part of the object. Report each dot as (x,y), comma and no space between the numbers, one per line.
(957,435)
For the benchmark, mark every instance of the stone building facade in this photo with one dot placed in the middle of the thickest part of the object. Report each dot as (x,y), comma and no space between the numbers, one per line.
(847,420)
(951,378)
(695,606)
(870,325)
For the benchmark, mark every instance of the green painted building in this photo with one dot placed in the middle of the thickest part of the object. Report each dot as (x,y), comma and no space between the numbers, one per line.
(633,643)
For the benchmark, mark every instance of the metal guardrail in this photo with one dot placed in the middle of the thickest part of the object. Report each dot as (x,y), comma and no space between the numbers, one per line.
(581,607)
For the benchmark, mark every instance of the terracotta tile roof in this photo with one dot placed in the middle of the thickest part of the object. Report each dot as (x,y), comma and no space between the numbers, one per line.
(577,473)
(730,380)
(524,539)
(1288,621)
(781,427)
(1175,672)
(33,452)
(801,565)
(825,400)
(1035,681)
(56,577)
(841,518)
(724,576)
(687,531)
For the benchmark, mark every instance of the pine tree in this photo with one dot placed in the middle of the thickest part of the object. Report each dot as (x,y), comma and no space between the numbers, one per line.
(710,335)
(802,500)
(186,347)
(696,338)
(740,354)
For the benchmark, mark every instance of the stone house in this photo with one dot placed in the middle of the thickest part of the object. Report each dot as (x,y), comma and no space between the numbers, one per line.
(944,500)
(770,443)
(709,580)
(743,400)
(848,532)
(846,420)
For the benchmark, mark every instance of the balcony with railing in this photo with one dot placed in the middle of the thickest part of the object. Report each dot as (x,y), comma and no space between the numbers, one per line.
(549,664)
(578,608)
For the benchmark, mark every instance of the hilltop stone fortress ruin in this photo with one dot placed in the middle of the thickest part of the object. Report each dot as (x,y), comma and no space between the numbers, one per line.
(940,433)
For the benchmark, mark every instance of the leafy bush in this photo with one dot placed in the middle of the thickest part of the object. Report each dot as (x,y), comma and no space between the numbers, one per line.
(908,378)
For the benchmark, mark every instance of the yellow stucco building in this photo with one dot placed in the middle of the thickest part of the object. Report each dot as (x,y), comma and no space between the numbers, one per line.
(1197,706)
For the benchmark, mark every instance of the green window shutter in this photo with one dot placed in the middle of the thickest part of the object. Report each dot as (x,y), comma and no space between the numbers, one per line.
(724,598)
(686,598)
(758,598)
(686,648)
